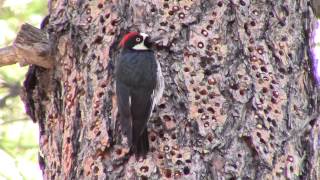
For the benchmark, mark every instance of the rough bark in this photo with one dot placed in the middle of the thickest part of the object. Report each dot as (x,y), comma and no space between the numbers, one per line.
(240,98)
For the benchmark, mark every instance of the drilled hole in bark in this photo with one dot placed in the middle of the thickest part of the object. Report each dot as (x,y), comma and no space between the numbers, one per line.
(264,90)
(264,69)
(186,69)
(260,51)
(271,129)
(114,22)
(200,45)
(144,169)
(254,67)
(103,85)
(100,94)
(175,8)
(89,19)
(100,5)
(186,170)
(274,123)
(259,134)
(81,172)
(209,27)
(160,156)
(153,10)
(282,22)
(104,30)
(211,110)
(102,21)
(153,138)
(95,170)
(166,118)
(271,137)
(107,15)
(252,23)
(172,27)
(179,162)
(98,40)
(262,141)
(161,134)
(164,23)
(172,153)
(197,97)
(166,148)
(211,21)
(220,4)
(177,174)
(88,11)
(281,53)
(162,106)
(273,100)
(241,92)
(206,124)
(211,95)
(119,151)
(242,3)
(284,38)
(166,5)
(85,48)
(168,173)
(203,92)
(291,169)
(200,110)
(204,32)
(171,13)
(173,136)
(182,15)
(234,86)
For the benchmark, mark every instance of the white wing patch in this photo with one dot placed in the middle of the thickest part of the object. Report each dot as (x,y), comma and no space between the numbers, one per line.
(158,91)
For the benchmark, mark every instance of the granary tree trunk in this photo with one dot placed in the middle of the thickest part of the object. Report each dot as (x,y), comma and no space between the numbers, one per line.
(240,99)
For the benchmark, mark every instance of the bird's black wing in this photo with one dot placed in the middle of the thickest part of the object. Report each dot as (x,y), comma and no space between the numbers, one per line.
(124,112)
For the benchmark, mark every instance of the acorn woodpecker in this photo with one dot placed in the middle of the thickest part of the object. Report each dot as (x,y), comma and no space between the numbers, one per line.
(139,86)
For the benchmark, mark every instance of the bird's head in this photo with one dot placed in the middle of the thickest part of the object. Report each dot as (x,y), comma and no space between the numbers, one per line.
(136,41)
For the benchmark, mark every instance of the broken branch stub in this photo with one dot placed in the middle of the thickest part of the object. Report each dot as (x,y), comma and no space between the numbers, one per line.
(7,56)
(32,46)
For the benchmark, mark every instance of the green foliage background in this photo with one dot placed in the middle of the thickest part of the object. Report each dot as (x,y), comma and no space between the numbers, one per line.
(18,134)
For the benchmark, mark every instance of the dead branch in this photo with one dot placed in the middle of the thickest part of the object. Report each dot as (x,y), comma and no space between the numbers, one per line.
(31,46)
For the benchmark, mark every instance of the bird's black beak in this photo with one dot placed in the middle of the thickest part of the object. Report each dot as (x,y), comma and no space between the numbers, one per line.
(155,39)
(151,42)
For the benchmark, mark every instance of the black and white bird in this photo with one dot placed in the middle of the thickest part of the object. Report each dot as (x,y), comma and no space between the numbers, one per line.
(139,86)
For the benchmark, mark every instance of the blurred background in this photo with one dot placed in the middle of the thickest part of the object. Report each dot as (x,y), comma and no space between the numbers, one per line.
(18,134)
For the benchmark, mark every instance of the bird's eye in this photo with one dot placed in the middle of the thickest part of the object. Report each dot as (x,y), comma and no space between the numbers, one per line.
(138,39)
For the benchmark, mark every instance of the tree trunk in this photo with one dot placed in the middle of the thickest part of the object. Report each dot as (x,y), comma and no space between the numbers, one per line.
(240,98)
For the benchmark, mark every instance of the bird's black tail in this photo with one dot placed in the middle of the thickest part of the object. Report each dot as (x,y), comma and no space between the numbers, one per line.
(140,145)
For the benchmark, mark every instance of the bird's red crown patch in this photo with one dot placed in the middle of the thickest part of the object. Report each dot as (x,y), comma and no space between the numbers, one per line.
(127,37)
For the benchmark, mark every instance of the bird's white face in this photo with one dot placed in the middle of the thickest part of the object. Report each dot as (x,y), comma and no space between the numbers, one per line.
(141,45)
